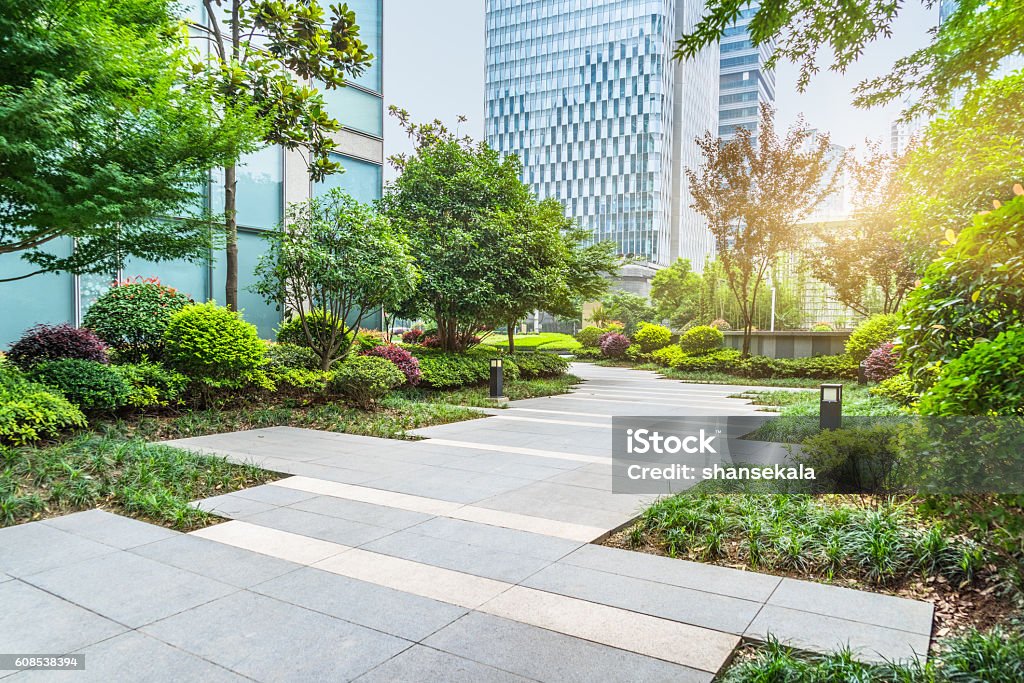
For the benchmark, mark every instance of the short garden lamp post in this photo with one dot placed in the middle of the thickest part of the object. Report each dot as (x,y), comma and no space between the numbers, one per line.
(862,373)
(831,411)
(497,380)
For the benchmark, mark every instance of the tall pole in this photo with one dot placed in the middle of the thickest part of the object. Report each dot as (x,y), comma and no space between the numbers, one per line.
(773,309)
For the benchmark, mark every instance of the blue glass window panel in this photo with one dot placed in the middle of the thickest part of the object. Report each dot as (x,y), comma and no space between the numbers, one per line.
(260,189)
(356,109)
(369,15)
(191,279)
(266,317)
(361,179)
(45,298)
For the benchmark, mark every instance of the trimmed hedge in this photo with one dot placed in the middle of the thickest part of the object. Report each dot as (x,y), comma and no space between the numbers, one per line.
(215,347)
(700,340)
(90,385)
(535,365)
(590,336)
(364,380)
(453,370)
(650,337)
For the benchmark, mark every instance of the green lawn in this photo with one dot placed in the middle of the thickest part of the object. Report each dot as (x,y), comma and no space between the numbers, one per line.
(548,341)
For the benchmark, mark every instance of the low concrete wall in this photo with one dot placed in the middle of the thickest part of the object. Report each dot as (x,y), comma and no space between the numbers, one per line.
(790,343)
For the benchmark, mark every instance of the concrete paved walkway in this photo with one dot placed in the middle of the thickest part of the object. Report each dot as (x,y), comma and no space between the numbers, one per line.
(462,557)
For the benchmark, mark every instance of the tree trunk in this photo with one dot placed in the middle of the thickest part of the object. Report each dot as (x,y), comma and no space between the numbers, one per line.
(231,235)
(511,336)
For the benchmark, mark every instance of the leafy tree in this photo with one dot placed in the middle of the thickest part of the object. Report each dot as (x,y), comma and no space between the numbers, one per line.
(753,195)
(459,202)
(260,49)
(628,308)
(102,135)
(675,293)
(868,267)
(965,50)
(334,260)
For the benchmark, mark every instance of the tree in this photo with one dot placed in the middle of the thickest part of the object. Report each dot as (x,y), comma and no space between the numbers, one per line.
(457,200)
(868,267)
(965,50)
(628,308)
(675,293)
(260,50)
(103,135)
(753,195)
(333,261)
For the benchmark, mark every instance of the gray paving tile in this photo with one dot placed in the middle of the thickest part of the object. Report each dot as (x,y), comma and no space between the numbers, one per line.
(704,577)
(35,621)
(384,609)
(274,495)
(5,577)
(232,505)
(366,513)
(548,656)
(146,658)
(334,529)
(225,563)
(442,483)
(823,634)
(855,605)
(427,665)
(270,640)
(439,552)
(129,589)
(113,530)
(526,502)
(30,548)
(497,538)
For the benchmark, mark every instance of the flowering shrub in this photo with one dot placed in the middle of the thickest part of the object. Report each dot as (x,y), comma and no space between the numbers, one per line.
(881,363)
(132,315)
(403,360)
(614,345)
(413,336)
(53,342)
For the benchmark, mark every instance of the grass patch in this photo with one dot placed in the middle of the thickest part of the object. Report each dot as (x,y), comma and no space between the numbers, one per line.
(799,412)
(723,378)
(480,396)
(549,341)
(144,480)
(996,656)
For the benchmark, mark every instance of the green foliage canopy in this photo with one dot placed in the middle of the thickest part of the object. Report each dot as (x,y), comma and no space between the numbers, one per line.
(675,293)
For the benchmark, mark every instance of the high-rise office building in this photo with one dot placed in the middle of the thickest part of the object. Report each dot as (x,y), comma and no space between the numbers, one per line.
(587,94)
(744,84)
(268,181)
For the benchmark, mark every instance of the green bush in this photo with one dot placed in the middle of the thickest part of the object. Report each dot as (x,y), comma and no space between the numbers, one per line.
(723,360)
(291,332)
(536,365)
(368,339)
(152,385)
(635,353)
(700,340)
(284,355)
(132,317)
(853,459)
(651,337)
(668,356)
(30,411)
(899,389)
(215,347)
(988,379)
(441,370)
(759,367)
(819,367)
(364,380)
(90,385)
(871,334)
(590,336)
(300,380)
(587,353)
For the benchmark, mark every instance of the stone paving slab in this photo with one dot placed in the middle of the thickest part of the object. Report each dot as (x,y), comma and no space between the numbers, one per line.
(490,538)
(427,665)
(35,621)
(333,529)
(845,603)
(28,549)
(110,529)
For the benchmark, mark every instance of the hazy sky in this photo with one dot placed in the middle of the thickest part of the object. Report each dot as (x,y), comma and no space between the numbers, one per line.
(434,67)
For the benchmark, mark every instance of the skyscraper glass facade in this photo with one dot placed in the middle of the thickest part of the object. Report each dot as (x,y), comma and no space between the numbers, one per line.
(584,92)
(744,84)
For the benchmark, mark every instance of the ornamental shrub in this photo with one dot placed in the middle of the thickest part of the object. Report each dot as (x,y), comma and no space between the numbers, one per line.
(635,353)
(987,379)
(152,385)
(319,323)
(668,356)
(720,324)
(841,366)
(54,342)
(300,380)
(590,336)
(870,334)
(881,363)
(368,339)
(432,341)
(586,353)
(30,411)
(759,367)
(291,356)
(364,380)
(614,345)
(90,385)
(441,370)
(898,389)
(534,365)
(215,347)
(822,327)
(853,459)
(132,315)
(408,364)
(702,339)
(723,360)
(651,337)
(413,336)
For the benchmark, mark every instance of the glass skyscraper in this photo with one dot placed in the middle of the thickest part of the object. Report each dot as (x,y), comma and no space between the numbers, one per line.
(744,84)
(586,93)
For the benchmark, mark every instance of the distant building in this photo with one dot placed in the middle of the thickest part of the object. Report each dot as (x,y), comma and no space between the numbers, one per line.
(587,94)
(744,84)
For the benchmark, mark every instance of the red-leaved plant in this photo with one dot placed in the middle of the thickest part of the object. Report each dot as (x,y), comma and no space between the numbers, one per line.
(403,360)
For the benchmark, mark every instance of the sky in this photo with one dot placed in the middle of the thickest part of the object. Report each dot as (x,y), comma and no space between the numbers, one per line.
(434,68)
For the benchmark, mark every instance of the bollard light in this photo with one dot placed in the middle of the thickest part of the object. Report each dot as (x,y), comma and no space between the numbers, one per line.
(862,373)
(831,410)
(497,380)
